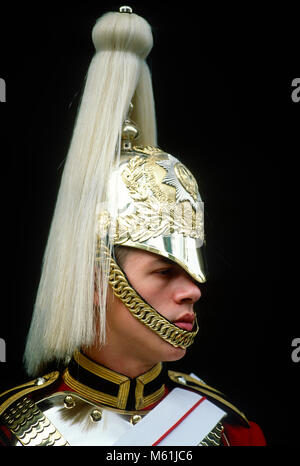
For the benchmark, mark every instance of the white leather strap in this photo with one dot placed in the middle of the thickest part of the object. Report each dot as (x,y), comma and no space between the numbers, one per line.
(182,418)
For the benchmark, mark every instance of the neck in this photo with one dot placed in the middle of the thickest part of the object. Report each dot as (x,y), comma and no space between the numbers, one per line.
(131,367)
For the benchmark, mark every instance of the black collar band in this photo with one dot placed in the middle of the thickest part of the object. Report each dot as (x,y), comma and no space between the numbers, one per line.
(102,385)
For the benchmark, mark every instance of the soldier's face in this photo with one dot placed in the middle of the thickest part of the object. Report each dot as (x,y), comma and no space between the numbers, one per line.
(168,289)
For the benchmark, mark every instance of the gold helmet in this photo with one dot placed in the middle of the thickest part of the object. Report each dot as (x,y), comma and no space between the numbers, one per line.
(159,208)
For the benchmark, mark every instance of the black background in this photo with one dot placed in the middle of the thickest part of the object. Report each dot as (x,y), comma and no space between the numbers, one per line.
(222,82)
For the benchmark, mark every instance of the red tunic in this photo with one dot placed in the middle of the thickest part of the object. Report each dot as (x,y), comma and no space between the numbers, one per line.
(234,434)
(240,436)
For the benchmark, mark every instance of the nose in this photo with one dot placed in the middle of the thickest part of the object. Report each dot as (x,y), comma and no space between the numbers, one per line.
(186,290)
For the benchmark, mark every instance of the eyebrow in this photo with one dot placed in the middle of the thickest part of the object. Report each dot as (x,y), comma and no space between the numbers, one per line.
(165,260)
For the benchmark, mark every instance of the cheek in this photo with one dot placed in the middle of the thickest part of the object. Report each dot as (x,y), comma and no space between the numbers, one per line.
(132,335)
(158,296)
(122,323)
(117,315)
(163,304)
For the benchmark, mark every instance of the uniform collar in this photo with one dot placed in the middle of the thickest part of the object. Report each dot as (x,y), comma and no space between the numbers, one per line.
(102,385)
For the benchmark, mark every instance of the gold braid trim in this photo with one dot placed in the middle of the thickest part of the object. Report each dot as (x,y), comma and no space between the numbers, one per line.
(25,389)
(142,311)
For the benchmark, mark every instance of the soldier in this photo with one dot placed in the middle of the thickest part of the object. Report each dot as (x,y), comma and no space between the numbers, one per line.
(120,278)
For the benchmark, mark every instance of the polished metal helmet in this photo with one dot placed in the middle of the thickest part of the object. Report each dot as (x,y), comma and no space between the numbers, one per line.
(159,208)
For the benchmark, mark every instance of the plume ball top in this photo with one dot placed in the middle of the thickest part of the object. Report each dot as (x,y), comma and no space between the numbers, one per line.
(123,32)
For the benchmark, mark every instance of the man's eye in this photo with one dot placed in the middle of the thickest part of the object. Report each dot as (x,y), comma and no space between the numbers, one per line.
(167,271)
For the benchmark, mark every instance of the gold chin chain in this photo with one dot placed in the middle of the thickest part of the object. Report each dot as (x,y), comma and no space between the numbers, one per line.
(143,312)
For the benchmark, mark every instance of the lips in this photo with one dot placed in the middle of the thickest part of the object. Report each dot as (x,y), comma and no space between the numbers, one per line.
(185,322)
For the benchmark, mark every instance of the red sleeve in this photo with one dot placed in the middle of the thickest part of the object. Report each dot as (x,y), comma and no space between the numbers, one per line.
(237,435)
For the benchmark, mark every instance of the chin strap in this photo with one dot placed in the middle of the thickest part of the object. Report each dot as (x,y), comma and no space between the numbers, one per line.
(143,312)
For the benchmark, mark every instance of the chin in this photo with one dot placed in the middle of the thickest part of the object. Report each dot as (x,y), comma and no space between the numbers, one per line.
(174,354)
